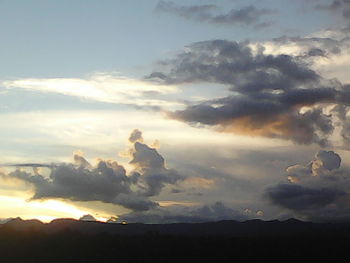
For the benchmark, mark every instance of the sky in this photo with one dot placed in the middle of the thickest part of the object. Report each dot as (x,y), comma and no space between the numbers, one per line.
(175,111)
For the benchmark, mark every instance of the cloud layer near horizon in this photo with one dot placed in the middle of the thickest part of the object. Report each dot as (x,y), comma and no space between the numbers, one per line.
(317,191)
(197,214)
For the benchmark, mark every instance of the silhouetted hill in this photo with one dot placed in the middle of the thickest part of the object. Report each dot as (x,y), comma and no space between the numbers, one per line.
(25,225)
(251,228)
(68,240)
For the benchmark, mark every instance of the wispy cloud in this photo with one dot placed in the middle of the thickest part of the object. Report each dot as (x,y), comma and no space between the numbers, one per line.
(336,6)
(248,15)
(103,87)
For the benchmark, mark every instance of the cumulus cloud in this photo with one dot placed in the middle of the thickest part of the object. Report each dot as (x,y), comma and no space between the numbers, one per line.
(151,171)
(277,96)
(107,181)
(323,164)
(135,136)
(328,160)
(316,191)
(248,15)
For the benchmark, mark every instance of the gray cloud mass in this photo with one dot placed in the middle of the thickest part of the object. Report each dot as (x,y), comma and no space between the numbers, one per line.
(151,171)
(318,191)
(107,181)
(268,91)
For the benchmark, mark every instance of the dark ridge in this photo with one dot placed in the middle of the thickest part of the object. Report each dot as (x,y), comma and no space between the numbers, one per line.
(69,240)
(22,225)
(290,227)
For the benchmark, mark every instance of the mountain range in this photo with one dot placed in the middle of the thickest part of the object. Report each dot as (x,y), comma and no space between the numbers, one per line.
(228,228)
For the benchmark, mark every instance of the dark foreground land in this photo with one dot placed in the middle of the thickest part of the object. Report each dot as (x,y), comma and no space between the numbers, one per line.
(226,241)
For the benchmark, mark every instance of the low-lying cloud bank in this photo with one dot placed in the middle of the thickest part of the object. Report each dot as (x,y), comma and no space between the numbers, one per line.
(317,191)
(207,213)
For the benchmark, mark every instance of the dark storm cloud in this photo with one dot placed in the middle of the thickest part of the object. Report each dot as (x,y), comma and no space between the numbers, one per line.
(297,197)
(249,15)
(317,191)
(107,181)
(268,91)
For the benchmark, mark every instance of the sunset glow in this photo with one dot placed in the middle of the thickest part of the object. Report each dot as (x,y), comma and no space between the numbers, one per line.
(175,111)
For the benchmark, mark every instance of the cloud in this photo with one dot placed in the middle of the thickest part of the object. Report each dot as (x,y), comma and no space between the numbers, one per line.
(151,171)
(179,214)
(336,6)
(297,197)
(107,181)
(102,87)
(136,136)
(276,96)
(33,165)
(198,12)
(87,218)
(235,64)
(327,51)
(328,160)
(341,112)
(317,191)
(249,15)
(323,164)
(317,45)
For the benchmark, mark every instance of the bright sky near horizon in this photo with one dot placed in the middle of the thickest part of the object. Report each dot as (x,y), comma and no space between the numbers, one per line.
(170,111)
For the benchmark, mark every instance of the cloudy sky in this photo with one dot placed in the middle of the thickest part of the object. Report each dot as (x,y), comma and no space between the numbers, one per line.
(175,111)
